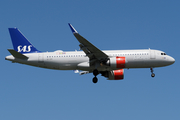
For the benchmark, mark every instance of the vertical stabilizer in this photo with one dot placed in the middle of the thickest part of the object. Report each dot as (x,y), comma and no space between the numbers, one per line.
(20,43)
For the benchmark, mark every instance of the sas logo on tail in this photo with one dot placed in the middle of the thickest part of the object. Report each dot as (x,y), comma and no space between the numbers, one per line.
(24,49)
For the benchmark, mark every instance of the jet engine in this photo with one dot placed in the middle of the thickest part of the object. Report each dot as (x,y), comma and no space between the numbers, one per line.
(114,75)
(117,62)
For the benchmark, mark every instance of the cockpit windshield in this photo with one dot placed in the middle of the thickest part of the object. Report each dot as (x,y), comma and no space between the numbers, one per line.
(163,53)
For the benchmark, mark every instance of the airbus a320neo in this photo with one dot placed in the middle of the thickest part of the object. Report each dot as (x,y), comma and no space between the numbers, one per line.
(108,63)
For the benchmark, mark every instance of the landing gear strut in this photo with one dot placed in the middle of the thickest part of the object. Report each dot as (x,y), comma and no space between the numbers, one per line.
(152,74)
(95,73)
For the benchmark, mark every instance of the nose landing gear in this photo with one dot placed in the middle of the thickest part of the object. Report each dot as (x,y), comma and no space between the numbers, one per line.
(152,74)
(95,73)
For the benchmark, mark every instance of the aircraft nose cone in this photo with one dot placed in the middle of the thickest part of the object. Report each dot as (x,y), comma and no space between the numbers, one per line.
(171,60)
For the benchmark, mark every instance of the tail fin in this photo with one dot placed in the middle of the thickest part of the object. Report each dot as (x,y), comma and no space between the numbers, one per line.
(20,43)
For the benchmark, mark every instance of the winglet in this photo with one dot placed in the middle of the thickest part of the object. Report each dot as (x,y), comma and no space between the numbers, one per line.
(72,29)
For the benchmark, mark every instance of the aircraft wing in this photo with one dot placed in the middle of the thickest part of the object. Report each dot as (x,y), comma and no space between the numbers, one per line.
(90,50)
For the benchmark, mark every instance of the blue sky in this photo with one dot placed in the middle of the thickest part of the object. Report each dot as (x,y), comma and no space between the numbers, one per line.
(30,93)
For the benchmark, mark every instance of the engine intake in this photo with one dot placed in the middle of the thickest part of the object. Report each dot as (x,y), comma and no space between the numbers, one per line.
(117,62)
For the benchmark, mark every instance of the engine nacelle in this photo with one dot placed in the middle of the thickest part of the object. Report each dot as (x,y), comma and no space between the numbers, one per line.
(114,75)
(117,62)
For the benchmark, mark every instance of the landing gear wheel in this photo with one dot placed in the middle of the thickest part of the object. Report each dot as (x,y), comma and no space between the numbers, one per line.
(95,72)
(152,75)
(95,80)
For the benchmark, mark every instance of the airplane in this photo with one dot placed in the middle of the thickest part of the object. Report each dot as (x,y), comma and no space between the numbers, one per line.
(108,63)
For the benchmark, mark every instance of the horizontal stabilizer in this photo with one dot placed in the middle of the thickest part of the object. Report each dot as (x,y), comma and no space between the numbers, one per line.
(17,54)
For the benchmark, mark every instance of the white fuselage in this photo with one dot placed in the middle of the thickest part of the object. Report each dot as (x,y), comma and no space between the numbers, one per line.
(77,60)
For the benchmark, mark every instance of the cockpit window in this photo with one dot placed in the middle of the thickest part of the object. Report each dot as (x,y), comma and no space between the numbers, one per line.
(163,53)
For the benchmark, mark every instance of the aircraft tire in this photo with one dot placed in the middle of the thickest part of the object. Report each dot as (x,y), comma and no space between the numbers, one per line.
(95,80)
(152,75)
(95,72)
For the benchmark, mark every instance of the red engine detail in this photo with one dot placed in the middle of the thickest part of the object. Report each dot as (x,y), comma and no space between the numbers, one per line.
(117,62)
(118,74)
(120,62)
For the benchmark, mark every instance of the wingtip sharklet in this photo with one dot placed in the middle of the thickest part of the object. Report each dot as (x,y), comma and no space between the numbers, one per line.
(72,29)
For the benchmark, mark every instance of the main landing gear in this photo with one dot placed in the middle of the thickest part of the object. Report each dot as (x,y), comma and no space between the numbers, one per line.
(152,74)
(95,73)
